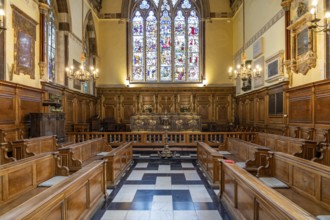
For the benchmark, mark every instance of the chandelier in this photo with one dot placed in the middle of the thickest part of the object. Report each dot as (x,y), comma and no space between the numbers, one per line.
(2,14)
(83,73)
(244,71)
(314,22)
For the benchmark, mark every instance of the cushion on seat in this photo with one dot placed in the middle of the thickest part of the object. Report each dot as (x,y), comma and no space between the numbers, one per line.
(102,153)
(224,152)
(52,181)
(273,182)
(241,164)
(323,217)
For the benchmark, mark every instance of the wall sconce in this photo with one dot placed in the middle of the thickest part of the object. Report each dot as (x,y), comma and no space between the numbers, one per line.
(127,83)
(314,24)
(2,15)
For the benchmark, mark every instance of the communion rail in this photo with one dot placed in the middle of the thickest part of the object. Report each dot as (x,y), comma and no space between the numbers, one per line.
(154,139)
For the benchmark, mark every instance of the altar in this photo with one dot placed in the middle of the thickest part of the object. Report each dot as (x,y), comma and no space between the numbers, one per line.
(176,122)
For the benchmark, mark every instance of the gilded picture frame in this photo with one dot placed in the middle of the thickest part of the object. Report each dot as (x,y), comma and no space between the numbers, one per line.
(24,43)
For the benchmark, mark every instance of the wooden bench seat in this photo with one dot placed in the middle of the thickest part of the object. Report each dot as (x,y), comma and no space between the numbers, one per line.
(77,197)
(20,179)
(308,181)
(77,155)
(33,146)
(324,157)
(295,146)
(251,156)
(248,198)
(119,161)
(207,159)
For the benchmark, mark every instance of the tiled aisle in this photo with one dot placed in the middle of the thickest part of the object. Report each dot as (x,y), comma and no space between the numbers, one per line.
(164,190)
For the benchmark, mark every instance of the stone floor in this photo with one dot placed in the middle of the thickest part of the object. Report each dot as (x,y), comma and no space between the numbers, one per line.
(163,190)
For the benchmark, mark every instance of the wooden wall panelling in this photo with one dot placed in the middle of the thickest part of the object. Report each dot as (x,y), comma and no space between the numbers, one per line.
(322,103)
(222,110)
(185,101)
(300,106)
(204,107)
(128,107)
(166,102)
(205,101)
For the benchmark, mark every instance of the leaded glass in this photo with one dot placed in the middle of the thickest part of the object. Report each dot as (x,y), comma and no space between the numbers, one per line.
(51,46)
(162,52)
(151,47)
(180,45)
(138,46)
(156,2)
(186,4)
(144,5)
(193,47)
(165,47)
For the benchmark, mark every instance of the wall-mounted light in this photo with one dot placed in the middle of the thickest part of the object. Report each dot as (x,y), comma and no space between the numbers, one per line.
(2,15)
(127,83)
(316,24)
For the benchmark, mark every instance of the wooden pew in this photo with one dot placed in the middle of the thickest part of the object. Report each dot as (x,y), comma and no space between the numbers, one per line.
(11,134)
(20,179)
(119,160)
(248,155)
(308,182)
(33,146)
(298,147)
(248,198)
(325,155)
(77,155)
(77,197)
(4,154)
(207,159)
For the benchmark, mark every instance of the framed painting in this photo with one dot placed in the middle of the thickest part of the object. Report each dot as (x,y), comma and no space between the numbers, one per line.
(274,67)
(24,43)
(258,48)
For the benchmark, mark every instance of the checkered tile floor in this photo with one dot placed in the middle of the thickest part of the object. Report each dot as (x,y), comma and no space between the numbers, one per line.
(167,190)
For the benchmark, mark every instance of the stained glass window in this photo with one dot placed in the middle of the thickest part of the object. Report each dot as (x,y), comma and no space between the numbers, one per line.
(138,47)
(165,41)
(51,29)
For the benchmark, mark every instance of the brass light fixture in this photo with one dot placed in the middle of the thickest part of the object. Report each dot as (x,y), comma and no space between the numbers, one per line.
(244,71)
(314,24)
(83,73)
(2,15)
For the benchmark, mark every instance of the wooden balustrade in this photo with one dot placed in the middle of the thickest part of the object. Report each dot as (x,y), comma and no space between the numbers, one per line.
(208,160)
(248,198)
(119,160)
(76,197)
(214,139)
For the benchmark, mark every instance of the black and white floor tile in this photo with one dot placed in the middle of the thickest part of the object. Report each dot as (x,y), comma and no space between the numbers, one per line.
(163,190)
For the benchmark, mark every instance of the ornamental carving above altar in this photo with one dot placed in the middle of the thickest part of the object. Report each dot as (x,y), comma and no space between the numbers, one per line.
(176,122)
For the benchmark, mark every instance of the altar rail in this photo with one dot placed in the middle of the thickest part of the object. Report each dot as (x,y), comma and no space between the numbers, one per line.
(213,139)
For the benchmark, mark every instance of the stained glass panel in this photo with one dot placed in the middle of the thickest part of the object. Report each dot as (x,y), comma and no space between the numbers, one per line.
(180,45)
(174,2)
(193,47)
(144,5)
(151,47)
(51,47)
(165,47)
(186,4)
(156,2)
(138,46)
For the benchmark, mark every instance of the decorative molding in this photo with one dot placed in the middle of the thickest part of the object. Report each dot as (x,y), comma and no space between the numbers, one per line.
(221,14)
(265,28)
(24,42)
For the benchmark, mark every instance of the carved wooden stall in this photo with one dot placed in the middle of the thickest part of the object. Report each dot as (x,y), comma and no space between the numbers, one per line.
(264,109)
(78,107)
(213,104)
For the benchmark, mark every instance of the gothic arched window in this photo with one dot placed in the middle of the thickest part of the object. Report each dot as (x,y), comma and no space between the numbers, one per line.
(51,47)
(165,42)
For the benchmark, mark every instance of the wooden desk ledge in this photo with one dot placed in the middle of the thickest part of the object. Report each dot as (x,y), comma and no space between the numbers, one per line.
(262,193)
(50,202)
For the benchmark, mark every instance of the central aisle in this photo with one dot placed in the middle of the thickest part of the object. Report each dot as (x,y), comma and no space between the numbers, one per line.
(166,190)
